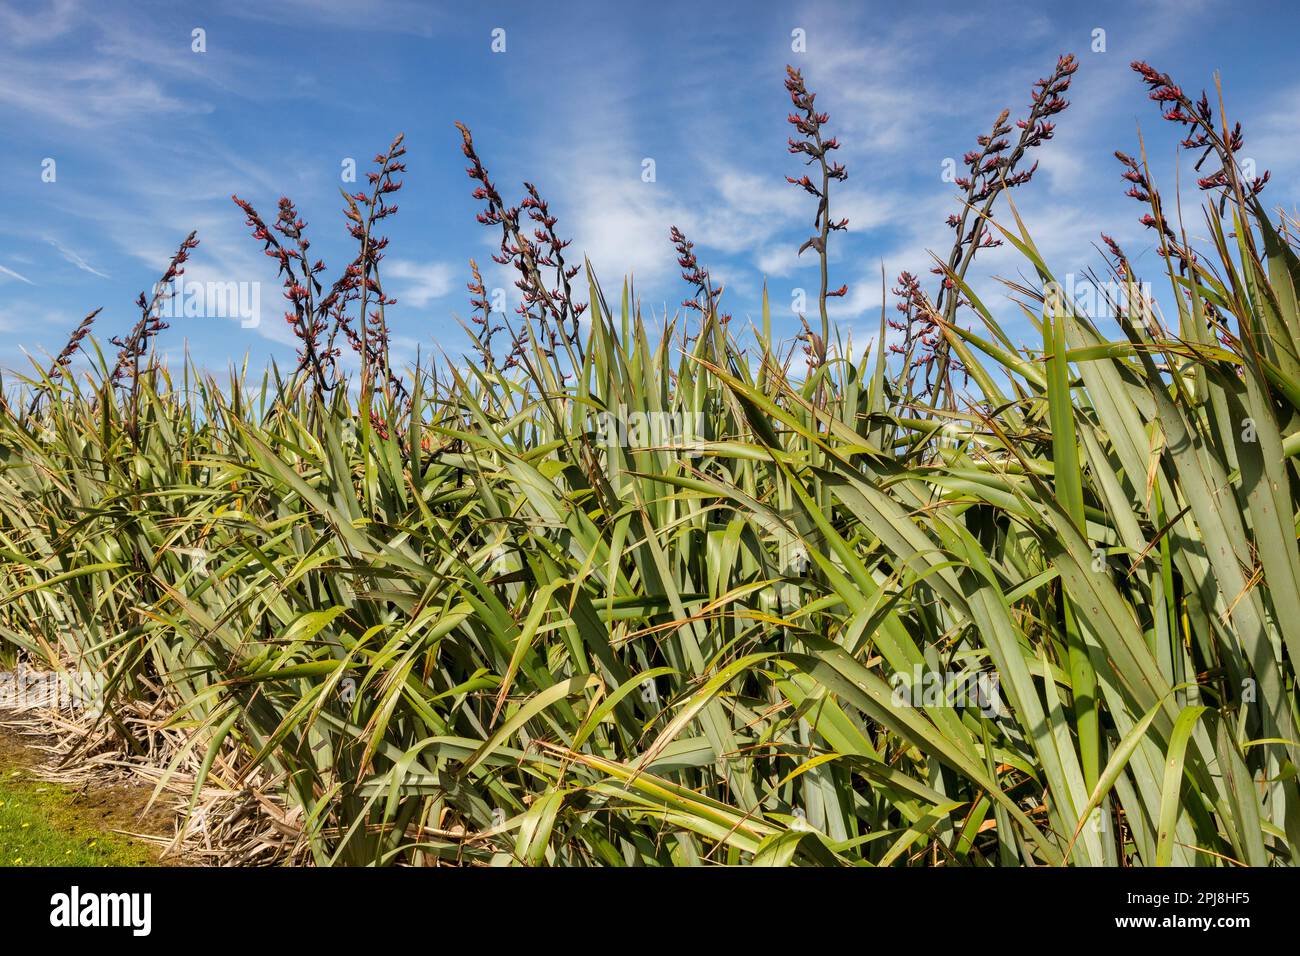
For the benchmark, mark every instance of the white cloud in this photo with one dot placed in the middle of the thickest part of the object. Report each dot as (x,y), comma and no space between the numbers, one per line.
(777,260)
(82,95)
(76,260)
(395,16)
(15,275)
(39,26)
(623,226)
(418,283)
(1273,141)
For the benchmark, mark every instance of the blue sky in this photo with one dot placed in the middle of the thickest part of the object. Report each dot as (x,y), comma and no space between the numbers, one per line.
(150,139)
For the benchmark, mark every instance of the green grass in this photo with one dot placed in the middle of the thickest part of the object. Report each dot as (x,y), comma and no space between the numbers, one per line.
(41,826)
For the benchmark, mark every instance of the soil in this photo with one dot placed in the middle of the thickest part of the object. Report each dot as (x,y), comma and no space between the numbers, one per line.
(117,808)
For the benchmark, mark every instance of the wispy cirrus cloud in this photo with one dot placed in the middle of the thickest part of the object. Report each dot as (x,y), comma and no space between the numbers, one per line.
(77,260)
(10,273)
(378,16)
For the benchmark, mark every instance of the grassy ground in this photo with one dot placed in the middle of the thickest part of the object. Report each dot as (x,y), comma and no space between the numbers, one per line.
(42,824)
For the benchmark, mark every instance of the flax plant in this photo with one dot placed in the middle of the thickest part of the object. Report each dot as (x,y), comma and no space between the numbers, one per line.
(487,624)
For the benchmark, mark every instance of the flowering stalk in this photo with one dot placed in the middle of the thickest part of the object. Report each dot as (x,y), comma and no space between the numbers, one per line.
(706,295)
(556,314)
(300,283)
(372,341)
(1144,191)
(992,168)
(482,317)
(549,253)
(1231,183)
(922,330)
(808,122)
(318,319)
(64,359)
(136,345)
(1202,134)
